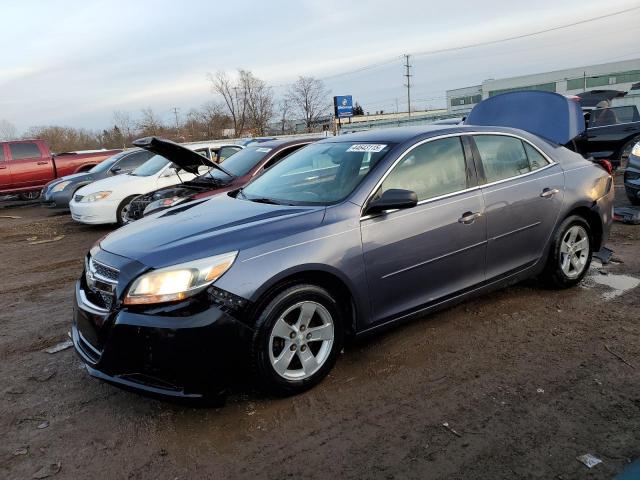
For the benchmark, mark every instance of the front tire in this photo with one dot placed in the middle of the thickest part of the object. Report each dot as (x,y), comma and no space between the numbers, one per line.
(123,208)
(570,253)
(298,336)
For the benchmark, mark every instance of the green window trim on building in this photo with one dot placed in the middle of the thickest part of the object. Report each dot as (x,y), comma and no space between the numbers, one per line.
(547,87)
(575,84)
(468,100)
(603,80)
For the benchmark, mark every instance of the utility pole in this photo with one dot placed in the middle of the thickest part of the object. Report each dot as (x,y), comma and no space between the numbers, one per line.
(408,84)
(175,112)
(584,81)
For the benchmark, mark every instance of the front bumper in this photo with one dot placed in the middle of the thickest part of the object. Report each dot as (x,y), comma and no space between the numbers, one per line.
(188,352)
(57,200)
(94,213)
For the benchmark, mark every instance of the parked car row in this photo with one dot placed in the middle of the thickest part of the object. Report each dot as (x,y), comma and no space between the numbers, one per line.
(340,238)
(107,200)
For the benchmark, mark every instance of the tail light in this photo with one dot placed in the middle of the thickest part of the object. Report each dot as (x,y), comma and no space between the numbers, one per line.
(606,164)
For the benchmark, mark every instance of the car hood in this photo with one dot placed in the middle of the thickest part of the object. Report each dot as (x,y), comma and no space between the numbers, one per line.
(75,177)
(110,183)
(202,229)
(186,159)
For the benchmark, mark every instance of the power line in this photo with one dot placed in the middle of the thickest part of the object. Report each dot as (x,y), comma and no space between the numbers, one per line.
(472,45)
(525,35)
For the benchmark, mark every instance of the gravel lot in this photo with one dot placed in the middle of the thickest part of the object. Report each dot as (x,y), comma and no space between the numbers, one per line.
(526,379)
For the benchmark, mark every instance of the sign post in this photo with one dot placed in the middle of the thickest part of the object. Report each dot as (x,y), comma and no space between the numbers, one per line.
(343,107)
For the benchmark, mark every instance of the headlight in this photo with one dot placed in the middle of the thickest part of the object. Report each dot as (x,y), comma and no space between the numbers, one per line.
(163,203)
(178,281)
(94,197)
(635,151)
(58,187)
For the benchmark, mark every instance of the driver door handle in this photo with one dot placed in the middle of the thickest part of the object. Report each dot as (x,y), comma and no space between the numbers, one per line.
(549,192)
(43,163)
(469,217)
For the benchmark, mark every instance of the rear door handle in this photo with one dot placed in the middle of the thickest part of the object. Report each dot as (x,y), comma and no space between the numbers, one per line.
(43,163)
(3,167)
(549,192)
(469,217)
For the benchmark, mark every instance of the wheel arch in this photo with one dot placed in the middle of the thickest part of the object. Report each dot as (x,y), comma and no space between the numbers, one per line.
(321,275)
(593,219)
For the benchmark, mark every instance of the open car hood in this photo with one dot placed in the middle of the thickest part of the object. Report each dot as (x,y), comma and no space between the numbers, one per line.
(546,114)
(184,158)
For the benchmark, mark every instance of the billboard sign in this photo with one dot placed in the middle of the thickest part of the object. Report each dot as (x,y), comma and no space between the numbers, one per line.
(343,106)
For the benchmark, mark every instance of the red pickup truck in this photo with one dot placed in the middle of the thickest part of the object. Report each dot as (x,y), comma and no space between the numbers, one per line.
(27,165)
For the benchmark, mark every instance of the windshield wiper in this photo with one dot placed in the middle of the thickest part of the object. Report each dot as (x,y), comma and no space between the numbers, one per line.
(262,200)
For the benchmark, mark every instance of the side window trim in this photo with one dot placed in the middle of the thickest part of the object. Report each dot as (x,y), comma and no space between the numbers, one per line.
(482,179)
(469,172)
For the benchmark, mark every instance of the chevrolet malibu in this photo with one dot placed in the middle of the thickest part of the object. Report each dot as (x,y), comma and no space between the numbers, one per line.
(342,238)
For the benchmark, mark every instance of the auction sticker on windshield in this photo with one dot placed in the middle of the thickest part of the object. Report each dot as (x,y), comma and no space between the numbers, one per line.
(366,147)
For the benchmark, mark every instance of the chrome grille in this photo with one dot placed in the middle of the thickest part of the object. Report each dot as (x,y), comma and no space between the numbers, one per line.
(101,281)
(77,198)
(104,271)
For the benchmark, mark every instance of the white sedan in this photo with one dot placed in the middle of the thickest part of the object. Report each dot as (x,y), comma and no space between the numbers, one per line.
(106,201)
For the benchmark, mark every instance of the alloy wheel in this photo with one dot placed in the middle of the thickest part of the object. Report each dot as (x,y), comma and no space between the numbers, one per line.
(574,251)
(300,341)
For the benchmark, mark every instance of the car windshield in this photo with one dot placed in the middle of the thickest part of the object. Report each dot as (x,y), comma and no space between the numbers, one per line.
(319,174)
(151,166)
(107,163)
(240,163)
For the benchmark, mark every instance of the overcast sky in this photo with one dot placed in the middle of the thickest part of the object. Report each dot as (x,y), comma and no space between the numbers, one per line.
(75,62)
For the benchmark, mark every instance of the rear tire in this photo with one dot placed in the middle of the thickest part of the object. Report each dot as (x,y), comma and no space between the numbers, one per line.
(570,254)
(298,336)
(121,213)
(33,195)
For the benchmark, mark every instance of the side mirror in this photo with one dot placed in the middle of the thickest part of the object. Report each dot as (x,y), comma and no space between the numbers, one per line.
(116,170)
(394,198)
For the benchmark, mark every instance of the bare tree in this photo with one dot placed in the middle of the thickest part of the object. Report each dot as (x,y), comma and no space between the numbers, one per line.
(126,126)
(310,96)
(259,99)
(150,123)
(284,110)
(213,117)
(7,130)
(235,99)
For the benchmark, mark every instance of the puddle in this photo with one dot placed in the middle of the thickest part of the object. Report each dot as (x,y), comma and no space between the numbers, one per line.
(632,472)
(617,284)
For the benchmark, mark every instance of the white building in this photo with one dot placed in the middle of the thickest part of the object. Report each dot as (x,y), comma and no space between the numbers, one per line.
(607,76)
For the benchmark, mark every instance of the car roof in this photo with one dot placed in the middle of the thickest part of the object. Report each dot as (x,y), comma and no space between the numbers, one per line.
(194,146)
(284,142)
(402,134)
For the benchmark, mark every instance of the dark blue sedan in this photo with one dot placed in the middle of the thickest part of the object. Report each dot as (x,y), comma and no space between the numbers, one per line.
(342,238)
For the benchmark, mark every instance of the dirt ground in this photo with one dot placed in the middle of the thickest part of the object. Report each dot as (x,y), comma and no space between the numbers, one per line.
(526,379)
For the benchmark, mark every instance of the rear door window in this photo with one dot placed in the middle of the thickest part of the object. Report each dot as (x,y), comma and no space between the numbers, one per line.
(20,151)
(536,160)
(226,152)
(134,160)
(502,156)
(431,169)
